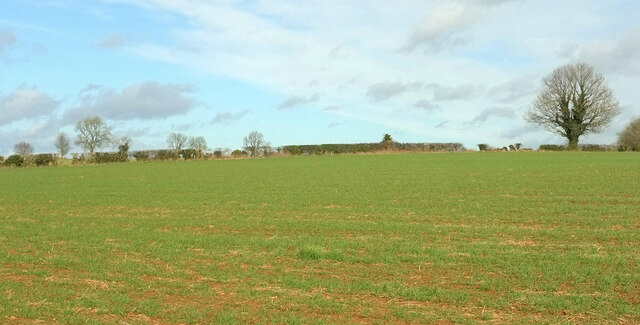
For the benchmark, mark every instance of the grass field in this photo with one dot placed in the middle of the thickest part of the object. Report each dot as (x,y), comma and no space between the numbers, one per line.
(461,238)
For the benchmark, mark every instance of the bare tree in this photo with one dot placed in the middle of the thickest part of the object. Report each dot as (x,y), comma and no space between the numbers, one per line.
(23,148)
(255,144)
(199,144)
(93,133)
(177,141)
(574,101)
(629,138)
(63,144)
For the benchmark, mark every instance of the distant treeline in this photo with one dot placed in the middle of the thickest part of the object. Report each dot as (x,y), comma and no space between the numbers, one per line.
(583,147)
(350,148)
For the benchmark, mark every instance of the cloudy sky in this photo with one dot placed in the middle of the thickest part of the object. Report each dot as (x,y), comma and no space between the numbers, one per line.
(304,72)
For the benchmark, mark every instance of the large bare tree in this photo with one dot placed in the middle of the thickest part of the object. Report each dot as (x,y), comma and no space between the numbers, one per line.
(255,144)
(93,133)
(199,144)
(574,101)
(23,148)
(63,144)
(177,141)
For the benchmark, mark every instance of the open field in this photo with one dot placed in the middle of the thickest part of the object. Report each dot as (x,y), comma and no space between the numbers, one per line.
(463,238)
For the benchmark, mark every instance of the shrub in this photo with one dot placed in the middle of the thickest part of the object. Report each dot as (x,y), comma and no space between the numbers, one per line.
(110,157)
(43,159)
(142,155)
(188,153)
(484,147)
(78,159)
(217,153)
(1,160)
(551,147)
(597,147)
(14,160)
(629,138)
(166,155)
(239,153)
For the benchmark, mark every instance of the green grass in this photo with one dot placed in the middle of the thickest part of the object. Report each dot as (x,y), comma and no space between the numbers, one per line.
(465,238)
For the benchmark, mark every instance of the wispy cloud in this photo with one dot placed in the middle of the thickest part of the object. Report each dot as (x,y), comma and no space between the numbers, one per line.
(426,105)
(385,90)
(503,112)
(229,117)
(294,101)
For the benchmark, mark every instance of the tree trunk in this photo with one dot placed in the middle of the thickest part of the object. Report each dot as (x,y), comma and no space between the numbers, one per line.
(573,143)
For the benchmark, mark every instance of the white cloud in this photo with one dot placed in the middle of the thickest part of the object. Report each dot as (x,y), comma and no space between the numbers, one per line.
(614,56)
(514,90)
(149,100)
(25,103)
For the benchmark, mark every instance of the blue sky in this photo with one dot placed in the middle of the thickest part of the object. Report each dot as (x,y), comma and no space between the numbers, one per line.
(304,72)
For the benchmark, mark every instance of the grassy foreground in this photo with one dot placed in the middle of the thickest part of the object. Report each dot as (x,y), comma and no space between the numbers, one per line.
(463,238)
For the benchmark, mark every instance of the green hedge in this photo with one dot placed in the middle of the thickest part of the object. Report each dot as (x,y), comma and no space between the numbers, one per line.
(14,160)
(551,147)
(43,159)
(110,157)
(321,149)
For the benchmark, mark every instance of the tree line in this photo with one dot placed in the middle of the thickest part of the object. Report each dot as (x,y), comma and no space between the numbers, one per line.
(574,101)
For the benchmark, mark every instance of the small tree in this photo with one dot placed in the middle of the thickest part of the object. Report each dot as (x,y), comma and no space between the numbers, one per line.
(93,133)
(23,148)
(123,144)
(199,144)
(177,141)
(629,138)
(574,101)
(63,144)
(255,144)
(484,147)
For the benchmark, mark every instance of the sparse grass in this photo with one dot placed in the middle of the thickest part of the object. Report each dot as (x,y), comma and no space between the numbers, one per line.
(464,238)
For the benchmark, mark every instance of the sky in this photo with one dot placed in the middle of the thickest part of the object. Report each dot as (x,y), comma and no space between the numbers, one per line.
(304,72)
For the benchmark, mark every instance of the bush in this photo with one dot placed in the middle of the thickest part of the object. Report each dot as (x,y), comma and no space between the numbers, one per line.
(14,160)
(142,155)
(188,153)
(110,157)
(43,159)
(551,147)
(78,159)
(1,160)
(217,153)
(484,147)
(629,138)
(239,153)
(166,155)
(597,147)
